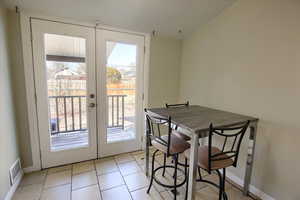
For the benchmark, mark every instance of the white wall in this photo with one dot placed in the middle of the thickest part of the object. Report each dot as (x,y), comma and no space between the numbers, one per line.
(19,91)
(165,56)
(8,130)
(247,60)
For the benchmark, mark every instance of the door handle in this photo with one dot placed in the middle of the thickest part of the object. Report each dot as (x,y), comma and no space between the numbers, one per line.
(92,105)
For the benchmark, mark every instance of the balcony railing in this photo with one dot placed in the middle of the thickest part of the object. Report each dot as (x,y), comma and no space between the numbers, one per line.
(69,113)
(115,111)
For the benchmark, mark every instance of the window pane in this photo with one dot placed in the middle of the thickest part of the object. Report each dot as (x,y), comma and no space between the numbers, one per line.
(67,90)
(121,90)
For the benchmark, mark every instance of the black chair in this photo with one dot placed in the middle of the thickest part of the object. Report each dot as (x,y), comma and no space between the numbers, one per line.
(169,145)
(178,105)
(177,133)
(211,158)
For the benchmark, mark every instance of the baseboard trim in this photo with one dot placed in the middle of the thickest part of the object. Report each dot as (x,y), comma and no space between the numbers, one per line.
(30,169)
(253,190)
(14,187)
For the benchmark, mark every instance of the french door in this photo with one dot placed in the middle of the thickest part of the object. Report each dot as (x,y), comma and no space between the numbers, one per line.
(120,58)
(64,65)
(83,86)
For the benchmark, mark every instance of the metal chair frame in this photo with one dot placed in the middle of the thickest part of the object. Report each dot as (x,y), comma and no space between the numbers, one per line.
(223,155)
(151,121)
(176,106)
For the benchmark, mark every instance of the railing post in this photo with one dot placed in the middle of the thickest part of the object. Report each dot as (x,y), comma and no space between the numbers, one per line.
(57,114)
(123,112)
(80,117)
(117,114)
(73,124)
(112,111)
(118,110)
(65,109)
(56,106)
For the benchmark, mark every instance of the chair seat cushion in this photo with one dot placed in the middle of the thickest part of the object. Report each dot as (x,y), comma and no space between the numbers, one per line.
(203,158)
(177,145)
(181,135)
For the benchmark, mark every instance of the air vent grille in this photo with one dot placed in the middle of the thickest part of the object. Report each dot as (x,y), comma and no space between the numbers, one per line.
(15,171)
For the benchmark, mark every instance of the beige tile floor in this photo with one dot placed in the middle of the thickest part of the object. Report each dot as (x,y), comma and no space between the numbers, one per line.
(119,177)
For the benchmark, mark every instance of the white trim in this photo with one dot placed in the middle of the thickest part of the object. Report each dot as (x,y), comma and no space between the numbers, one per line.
(96,24)
(30,169)
(57,19)
(255,191)
(133,144)
(54,158)
(146,69)
(14,187)
(146,83)
(30,91)
(29,75)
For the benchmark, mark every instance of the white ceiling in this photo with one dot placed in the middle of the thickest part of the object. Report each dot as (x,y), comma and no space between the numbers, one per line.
(164,16)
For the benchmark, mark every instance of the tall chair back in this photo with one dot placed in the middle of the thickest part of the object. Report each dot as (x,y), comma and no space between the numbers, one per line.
(177,105)
(153,130)
(229,151)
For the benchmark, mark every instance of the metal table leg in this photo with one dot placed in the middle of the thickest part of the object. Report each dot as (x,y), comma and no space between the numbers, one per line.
(147,156)
(193,166)
(250,157)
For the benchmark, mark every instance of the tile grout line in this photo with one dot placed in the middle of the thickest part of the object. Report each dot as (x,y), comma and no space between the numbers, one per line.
(111,172)
(83,173)
(46,174)
(123,176)
(118,170)
(71,181)
(113,187)
(43,185)
(159,193)
(124,180)
(98,182)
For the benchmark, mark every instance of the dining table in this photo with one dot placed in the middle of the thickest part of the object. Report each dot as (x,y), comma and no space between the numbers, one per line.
(194,121)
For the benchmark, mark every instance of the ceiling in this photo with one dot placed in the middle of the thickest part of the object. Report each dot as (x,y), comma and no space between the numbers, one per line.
(167,17)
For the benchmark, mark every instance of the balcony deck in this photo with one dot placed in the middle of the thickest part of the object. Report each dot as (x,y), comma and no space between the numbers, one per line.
(79,139)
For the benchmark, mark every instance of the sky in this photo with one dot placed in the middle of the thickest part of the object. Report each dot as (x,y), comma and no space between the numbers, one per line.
(122,54)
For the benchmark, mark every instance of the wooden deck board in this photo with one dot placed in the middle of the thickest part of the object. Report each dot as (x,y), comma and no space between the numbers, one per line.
(80,138)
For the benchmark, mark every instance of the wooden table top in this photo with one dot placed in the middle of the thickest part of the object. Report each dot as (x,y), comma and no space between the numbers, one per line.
(197,119)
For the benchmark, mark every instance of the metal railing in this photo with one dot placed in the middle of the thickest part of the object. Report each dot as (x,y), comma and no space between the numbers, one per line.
(115,111)
(69,113)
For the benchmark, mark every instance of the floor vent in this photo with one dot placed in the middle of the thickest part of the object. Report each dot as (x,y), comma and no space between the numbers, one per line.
(15,171)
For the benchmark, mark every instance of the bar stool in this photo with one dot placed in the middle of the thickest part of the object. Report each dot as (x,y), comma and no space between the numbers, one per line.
(175,127)
(211,158)
(169,145)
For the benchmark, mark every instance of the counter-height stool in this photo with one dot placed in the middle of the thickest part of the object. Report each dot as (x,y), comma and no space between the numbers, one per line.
(175,127)
(211,158)
(169,144)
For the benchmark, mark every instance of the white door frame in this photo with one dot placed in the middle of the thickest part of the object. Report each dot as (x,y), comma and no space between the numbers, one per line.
(105,149)
(25,18)
(54,158)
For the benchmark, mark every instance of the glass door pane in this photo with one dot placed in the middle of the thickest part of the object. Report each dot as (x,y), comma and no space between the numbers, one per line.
(121,61)
(67,91)
(65,84)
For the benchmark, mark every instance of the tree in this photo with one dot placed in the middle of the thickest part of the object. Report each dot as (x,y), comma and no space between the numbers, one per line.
(113,75)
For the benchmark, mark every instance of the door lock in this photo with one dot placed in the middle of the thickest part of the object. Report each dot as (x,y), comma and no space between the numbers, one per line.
(92,105)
